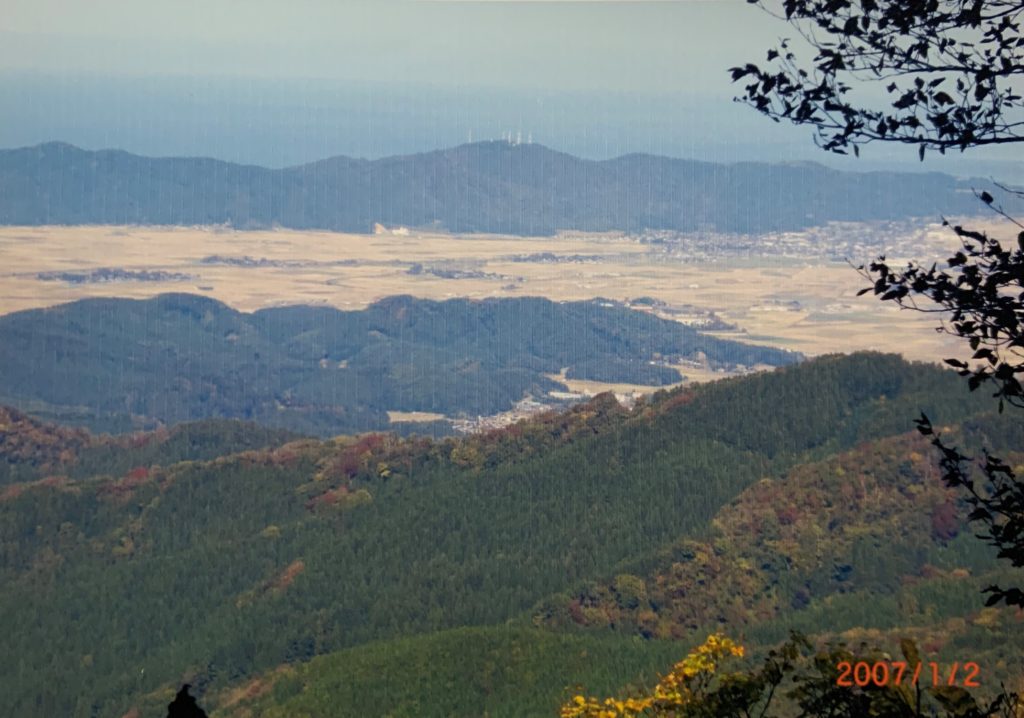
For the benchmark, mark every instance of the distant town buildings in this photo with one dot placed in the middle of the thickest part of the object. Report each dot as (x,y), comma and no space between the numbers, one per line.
(832,242)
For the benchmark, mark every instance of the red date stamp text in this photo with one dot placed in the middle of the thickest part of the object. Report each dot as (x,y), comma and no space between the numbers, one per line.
(898,673)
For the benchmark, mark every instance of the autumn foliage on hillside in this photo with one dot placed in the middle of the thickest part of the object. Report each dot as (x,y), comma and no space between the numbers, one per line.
(38,446)
(31,449)
(857,521)
(679,689)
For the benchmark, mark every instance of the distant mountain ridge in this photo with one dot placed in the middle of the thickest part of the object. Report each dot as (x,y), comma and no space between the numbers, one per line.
(179,357)
(490,187)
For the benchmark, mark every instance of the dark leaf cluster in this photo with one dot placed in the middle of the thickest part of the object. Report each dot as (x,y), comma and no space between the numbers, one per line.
(949,68)
(997,504)
(980,289)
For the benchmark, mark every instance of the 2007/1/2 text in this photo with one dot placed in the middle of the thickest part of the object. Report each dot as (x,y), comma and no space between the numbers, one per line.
(895,673)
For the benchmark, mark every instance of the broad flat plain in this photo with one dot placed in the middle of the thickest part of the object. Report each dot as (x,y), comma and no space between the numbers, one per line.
(805,304)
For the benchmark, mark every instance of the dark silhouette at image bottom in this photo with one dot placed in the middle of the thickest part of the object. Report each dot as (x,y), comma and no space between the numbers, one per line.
(184,705)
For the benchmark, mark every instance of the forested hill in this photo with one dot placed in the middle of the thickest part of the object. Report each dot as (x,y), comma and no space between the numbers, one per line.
(110,362)
(312,548)
(482,187)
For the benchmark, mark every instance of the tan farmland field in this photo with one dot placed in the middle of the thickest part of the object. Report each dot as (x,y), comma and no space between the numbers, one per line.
(780,301)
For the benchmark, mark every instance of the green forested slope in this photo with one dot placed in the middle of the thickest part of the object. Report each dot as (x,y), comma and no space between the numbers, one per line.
(860,547)
(116,588)
(481,671)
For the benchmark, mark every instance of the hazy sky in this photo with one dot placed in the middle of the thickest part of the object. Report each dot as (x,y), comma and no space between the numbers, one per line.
(669,46)
(277,83)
